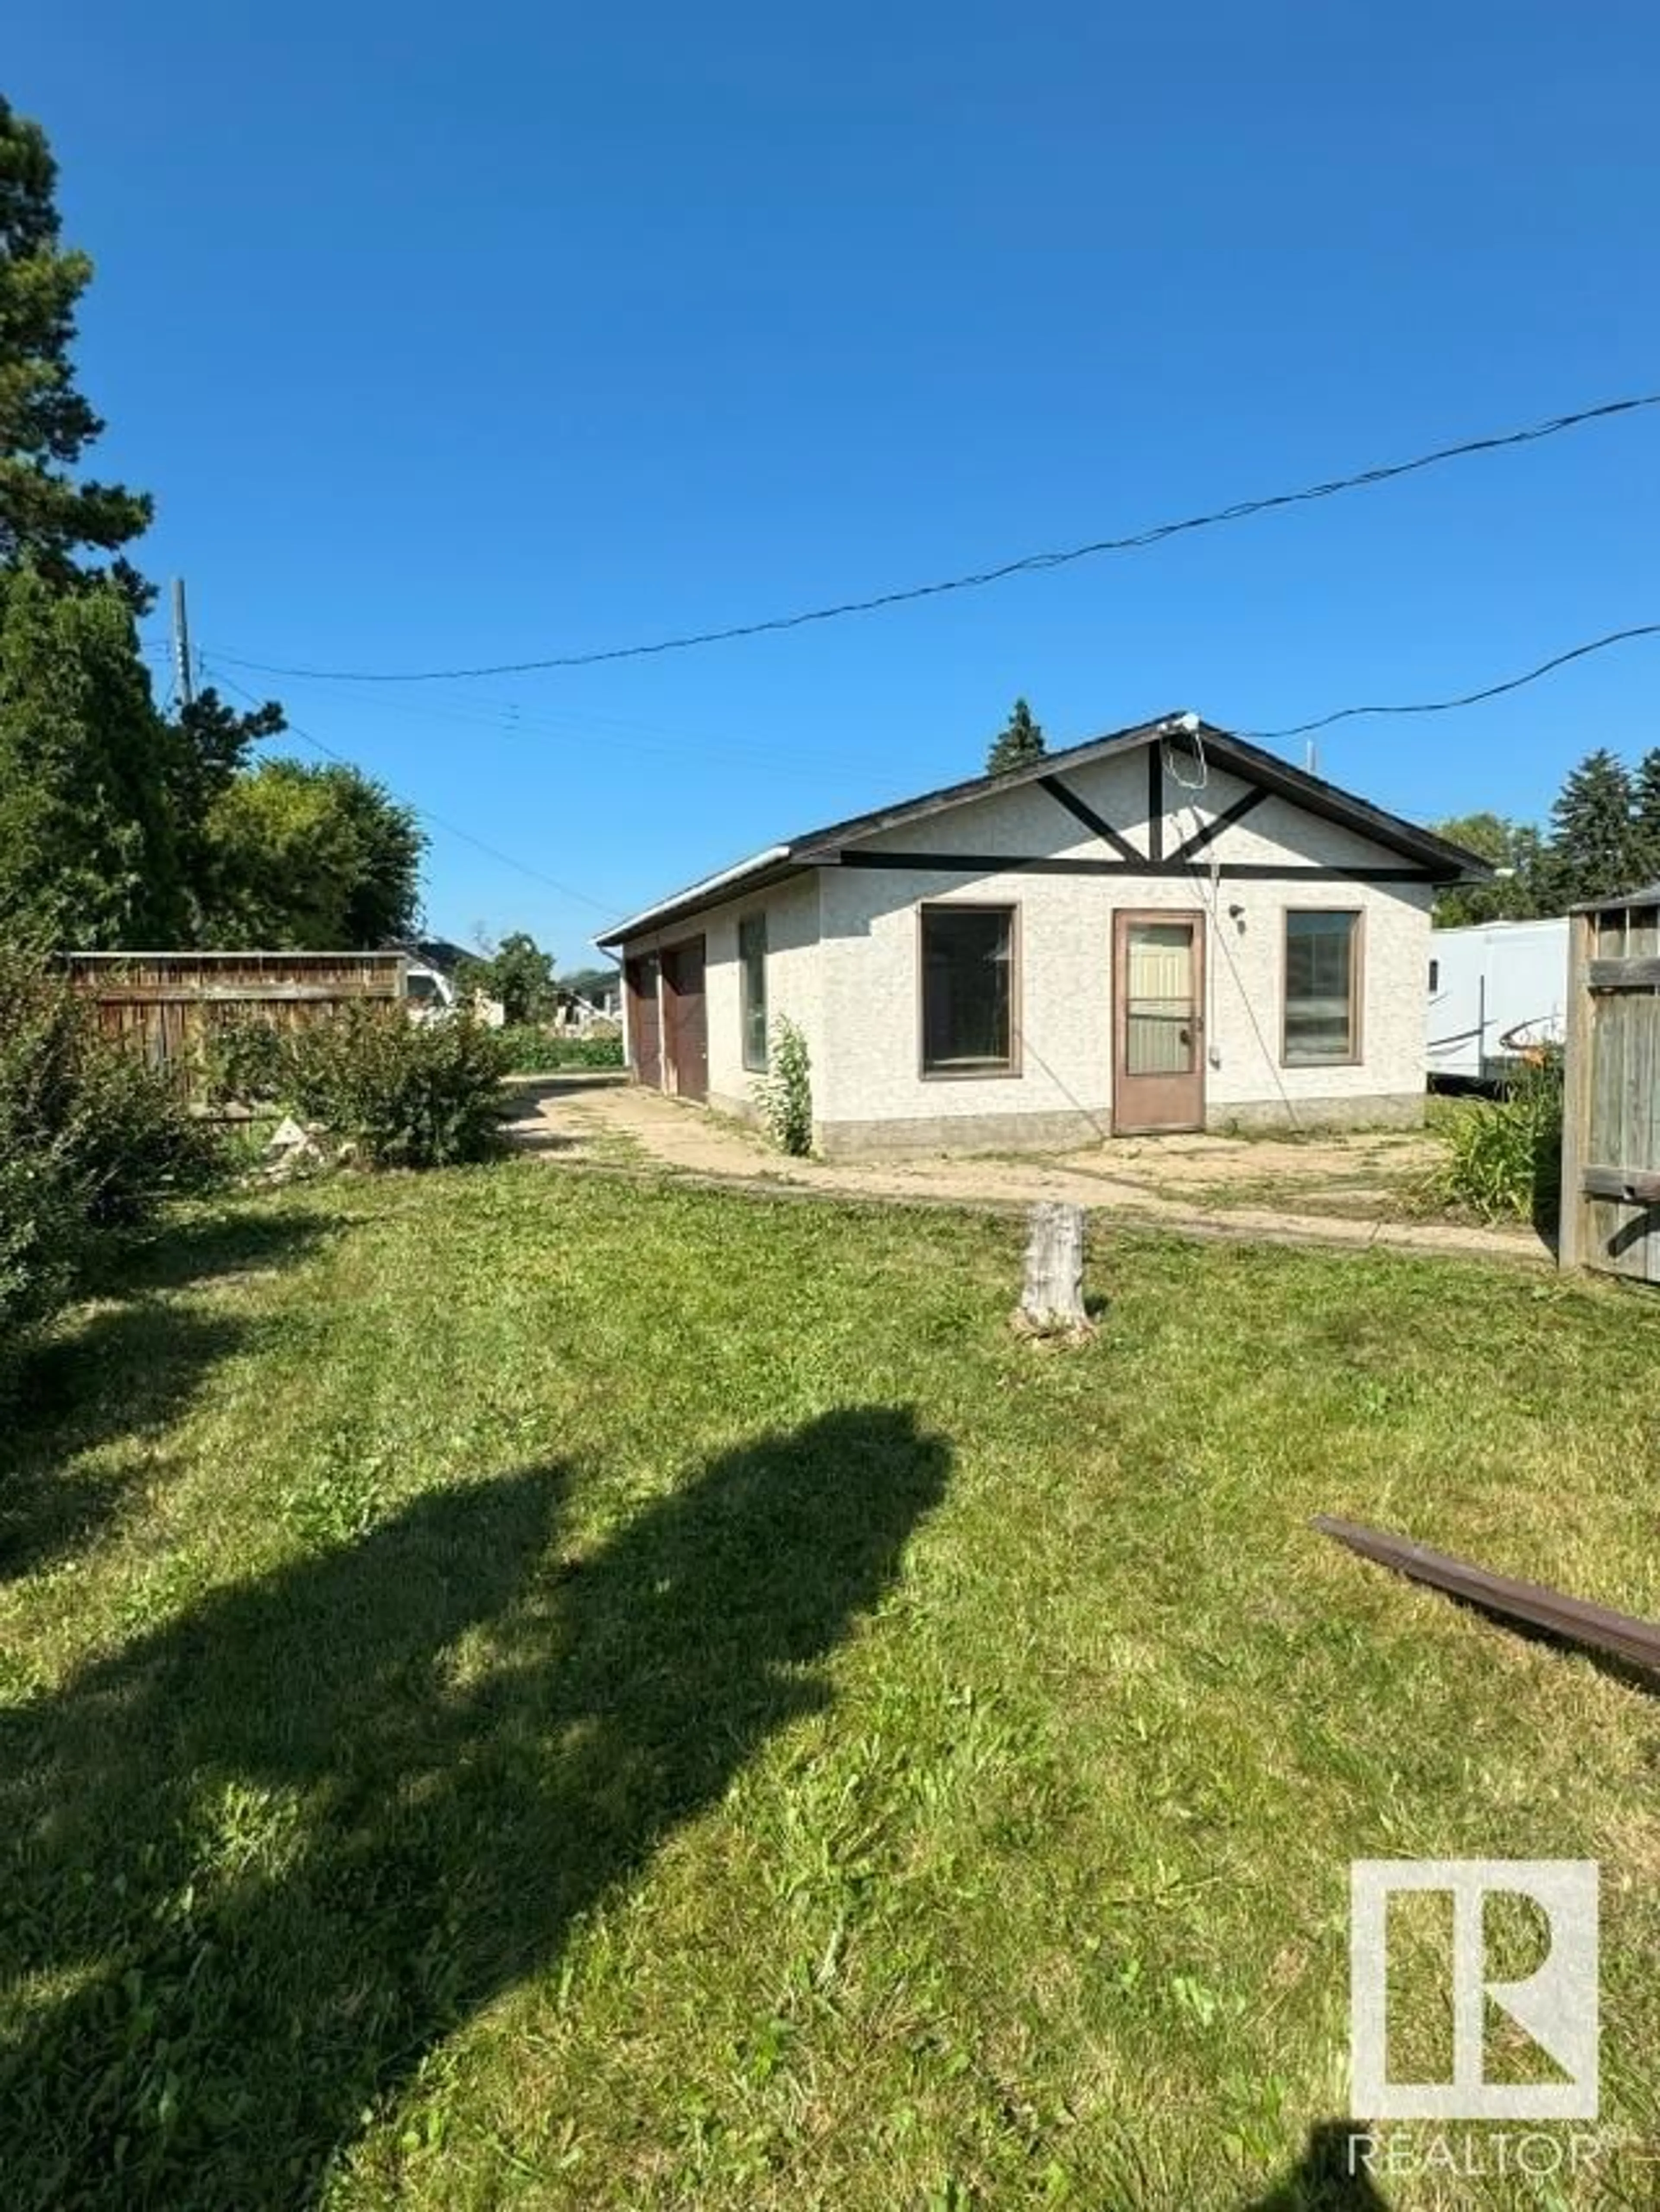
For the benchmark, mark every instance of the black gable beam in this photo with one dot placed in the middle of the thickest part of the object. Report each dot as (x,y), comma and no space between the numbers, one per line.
(1225,820)
(1072,863)
(1087,814)
(1155,801)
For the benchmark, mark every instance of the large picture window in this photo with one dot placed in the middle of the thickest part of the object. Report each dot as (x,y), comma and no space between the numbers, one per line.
(968,990)
(752,988)
(1323,997)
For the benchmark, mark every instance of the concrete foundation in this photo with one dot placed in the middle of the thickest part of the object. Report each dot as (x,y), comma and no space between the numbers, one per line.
(1075,1131)
(1396,1109)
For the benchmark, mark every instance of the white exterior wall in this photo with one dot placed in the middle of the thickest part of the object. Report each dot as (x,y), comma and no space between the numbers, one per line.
(868,1070)
(793,973)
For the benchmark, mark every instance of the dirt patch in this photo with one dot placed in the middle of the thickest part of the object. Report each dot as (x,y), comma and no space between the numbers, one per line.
(1342,1188)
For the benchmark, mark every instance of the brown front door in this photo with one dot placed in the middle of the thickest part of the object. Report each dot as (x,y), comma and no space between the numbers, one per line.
(645,1028)
(1158,1022)
(685,1021)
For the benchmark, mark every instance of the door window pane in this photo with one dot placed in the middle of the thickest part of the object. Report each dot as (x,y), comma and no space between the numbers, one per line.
(967,962)
(1320,968)
(1159,1027)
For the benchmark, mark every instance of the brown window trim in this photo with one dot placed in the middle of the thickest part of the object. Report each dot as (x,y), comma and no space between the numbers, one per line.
(1356,1055)
(990,1070)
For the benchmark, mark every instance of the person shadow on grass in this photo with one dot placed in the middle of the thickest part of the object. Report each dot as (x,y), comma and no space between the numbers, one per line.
(1331,2175)
(259,1862)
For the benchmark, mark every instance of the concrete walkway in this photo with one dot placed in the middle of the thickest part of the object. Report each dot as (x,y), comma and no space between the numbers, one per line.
(1345,1191)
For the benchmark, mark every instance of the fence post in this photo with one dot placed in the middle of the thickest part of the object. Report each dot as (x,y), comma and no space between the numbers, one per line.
(1577,1055)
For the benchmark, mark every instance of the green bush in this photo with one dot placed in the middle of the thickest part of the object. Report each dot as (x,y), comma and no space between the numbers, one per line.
(244,1059)
(90,1136)
(405,1094)
(784,1093)
(42,1234)
(532,1051)
(136,1142)
(1505,1155)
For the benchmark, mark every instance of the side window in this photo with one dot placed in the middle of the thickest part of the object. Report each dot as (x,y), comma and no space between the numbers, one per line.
(752,989)
(1323,1012)
(968,970)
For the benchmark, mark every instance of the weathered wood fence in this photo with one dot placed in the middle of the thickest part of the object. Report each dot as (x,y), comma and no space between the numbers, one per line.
(1611,1089)
(166,1005)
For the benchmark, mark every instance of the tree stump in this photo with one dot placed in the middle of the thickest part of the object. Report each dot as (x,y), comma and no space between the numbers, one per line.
(1052,1297)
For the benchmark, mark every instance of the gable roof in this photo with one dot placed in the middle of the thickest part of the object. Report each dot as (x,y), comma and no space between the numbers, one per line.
(823,846)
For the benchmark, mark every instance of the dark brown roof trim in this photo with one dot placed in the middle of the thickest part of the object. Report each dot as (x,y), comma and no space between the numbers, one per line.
(1436,859)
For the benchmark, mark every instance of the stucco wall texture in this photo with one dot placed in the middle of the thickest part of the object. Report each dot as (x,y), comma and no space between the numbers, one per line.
(844,949)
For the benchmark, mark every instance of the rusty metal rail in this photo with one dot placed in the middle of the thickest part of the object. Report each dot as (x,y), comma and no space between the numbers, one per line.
(1620,1635)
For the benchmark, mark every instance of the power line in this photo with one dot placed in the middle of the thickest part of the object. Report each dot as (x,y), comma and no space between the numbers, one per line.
(1464,698)
(508,719)
(609,908)
(1028,564)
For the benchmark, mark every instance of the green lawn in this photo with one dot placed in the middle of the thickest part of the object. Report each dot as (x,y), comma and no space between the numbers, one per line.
(520,1689)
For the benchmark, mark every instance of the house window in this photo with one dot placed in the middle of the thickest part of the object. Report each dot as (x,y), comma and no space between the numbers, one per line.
(967,966)
(752,989)
(1323,1012)
(1435,975)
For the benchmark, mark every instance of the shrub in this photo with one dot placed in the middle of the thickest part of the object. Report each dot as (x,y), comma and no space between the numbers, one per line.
(532,1051)
(406,1094)
(784,1093)
(244,1058)
(1505,1155)
(89,1136)
(135,1140)
(41,1234)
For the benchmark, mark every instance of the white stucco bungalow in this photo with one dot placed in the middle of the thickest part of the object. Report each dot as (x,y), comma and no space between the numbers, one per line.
(1167,928)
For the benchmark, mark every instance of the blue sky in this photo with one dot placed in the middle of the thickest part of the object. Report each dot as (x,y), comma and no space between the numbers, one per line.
(452,336)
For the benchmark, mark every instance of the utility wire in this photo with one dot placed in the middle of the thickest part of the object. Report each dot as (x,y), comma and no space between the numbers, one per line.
(1029,563)
(609,909)
(1464,698)
(1261,737)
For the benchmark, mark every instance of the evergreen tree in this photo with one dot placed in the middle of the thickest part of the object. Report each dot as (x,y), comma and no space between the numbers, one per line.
(1538,882)
(119,829)
(1645,809)
(1018,744)
(88,856)
(206,747)
(47,518)
(1595,846)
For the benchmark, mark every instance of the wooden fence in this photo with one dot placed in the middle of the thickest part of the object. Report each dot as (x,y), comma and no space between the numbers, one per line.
(1611,1089)
(166,1005)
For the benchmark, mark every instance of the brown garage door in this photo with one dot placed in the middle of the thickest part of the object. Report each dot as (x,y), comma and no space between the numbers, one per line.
(645,1031)
(685,1020)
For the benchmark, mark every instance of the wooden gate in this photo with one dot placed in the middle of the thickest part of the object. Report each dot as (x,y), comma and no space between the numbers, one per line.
(1611,1089)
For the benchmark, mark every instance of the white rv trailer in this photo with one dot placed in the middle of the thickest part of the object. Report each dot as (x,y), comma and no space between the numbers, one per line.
(1496,989)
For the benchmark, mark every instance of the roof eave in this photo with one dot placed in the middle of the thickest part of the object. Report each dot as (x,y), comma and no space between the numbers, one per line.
(764,867)
(1442,861)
